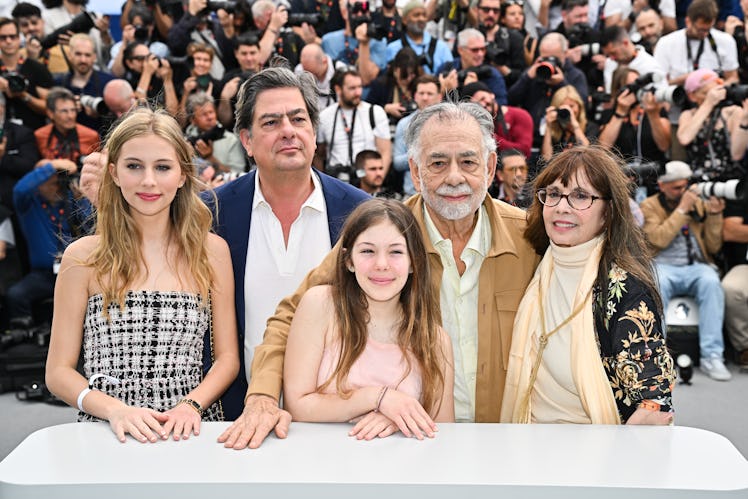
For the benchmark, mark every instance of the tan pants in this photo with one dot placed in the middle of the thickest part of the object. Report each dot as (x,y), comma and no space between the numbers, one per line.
(735,285)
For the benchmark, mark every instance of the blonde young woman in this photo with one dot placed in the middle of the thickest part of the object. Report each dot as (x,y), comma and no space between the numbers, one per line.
(142,294)
(565,123)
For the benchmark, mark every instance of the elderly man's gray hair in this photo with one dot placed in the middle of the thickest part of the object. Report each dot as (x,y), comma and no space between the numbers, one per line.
(449,112)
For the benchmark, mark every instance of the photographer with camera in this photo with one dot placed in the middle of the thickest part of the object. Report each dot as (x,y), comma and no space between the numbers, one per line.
(434,52)
(353,46)
(200,58)
(698,46)
(161,13)
(349,127)
(685,232)
(151,77)
(393,90)
(639,130)
(23,81)
(62,13)
(64,138)
(584,40)
(510,47)
(139,27)
(714,133)
(29,19)
(510,184)
(321,66)
(649,28)
(196,25)
(471,66)
(213,143)
(619,49)
(565,123)
(550,71)
(279,31)
(51,213)
(735,282)
(86,82)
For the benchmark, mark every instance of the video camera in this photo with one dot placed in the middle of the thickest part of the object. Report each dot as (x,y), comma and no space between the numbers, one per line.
(82,23)
(732,190)
(648,82)
(215,133)
(17,83)
(358,14)
(584,36)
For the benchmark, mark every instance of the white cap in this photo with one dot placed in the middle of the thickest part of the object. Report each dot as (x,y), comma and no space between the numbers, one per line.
(675,170)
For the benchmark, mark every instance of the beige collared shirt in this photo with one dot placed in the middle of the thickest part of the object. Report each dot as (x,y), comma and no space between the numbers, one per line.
(458,300)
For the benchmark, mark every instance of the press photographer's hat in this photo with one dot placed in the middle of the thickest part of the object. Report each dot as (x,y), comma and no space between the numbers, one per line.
(675,170)
(413,4)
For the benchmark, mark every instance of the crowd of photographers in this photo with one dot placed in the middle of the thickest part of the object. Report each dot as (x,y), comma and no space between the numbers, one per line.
(661,81)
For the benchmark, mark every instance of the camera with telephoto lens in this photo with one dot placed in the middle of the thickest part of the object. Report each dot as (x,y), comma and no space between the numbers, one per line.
(584,36)
(547,67)
(732,190)
(82,23)
(17,83)
(735,95)
(215,133)
(648,82)
(299,19)
(95,103)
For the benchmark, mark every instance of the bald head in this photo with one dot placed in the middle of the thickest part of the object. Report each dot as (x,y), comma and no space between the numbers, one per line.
(554,44)
(314,60)
(118,96)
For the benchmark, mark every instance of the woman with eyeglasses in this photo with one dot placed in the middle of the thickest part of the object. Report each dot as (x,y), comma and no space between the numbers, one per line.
(587,345)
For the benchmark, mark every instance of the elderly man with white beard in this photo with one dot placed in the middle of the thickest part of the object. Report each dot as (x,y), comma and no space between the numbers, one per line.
(478,257)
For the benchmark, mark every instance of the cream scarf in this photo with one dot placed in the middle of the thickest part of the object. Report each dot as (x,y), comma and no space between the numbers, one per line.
(595,393)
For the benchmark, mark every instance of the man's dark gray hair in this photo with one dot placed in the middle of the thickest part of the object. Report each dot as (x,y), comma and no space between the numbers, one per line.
(268,79)
(58,93)
(450,112)
(196,101)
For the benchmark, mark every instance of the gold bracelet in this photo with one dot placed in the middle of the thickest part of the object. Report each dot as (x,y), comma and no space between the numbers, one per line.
(192,404)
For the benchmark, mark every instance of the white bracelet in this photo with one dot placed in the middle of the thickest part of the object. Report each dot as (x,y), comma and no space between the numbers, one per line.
(81,396)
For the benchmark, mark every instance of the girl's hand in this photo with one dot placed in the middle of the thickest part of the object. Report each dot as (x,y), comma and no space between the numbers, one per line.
(408,414)
(372,425)
(142,423)
(183,419)
(550,114)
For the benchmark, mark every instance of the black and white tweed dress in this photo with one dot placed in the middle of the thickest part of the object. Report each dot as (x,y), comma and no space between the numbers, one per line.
(153,346)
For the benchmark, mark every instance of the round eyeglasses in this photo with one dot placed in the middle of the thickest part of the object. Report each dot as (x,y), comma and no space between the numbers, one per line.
(577,199)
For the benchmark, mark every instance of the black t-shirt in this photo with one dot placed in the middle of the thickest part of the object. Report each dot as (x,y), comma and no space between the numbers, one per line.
(37,75)
(735,253)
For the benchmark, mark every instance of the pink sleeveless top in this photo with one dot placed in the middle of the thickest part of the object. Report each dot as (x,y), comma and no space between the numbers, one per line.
(379,364)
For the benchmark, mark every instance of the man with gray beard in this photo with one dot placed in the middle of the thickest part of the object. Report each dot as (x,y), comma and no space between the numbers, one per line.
(478,258)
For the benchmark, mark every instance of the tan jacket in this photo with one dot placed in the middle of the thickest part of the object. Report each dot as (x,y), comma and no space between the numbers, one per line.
(506,271)
(661,229)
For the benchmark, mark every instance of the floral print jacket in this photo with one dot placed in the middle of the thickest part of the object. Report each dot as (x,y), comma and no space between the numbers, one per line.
(632,345)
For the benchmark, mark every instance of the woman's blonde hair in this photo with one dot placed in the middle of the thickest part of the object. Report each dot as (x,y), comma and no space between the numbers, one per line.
(119,245)
(563,93)
(418,334)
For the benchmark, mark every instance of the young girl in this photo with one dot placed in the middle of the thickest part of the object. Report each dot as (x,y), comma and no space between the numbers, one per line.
(141,295)
(369,348)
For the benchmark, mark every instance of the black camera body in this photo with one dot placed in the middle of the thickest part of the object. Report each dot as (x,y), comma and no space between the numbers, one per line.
(735,95)
(301,18)
(584,35)
(483,72)
(547,67)
(498,51)
(226,5)
(359,13)
(211,135)
(563,117)
(410,107)
(17,83)
(141,33)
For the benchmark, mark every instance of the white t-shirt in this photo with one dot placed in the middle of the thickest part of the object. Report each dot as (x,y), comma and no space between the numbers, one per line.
(672,55)
(362,134)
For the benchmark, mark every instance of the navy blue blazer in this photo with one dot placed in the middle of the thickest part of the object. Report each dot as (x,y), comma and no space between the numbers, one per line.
(232,222)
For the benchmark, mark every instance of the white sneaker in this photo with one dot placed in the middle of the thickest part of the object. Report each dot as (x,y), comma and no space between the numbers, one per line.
(715,369)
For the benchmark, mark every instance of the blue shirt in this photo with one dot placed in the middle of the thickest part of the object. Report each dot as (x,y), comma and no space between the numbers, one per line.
(334,45)
(442,54)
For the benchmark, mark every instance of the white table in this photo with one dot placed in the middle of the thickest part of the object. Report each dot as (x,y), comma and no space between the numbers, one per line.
(81,460)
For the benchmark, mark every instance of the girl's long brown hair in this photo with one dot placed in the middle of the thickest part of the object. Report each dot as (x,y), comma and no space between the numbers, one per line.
(117,259)
(418,334)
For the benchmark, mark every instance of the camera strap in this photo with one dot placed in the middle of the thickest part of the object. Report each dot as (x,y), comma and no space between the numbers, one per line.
(694,62)
(348,132)
(427,54)
(500,120)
